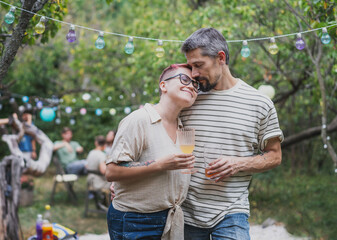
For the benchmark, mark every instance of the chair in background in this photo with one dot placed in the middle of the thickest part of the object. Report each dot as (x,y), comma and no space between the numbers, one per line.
(67,179)
(101,198)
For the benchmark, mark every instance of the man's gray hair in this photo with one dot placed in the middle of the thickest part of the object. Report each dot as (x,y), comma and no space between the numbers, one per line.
(209,40)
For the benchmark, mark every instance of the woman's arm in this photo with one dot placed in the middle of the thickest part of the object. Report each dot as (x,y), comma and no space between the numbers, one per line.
(135,170)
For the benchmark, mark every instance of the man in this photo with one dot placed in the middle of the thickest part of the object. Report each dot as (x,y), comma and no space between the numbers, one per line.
(27,144)
(67,153)
(235,115)
(110,136)
(96,162)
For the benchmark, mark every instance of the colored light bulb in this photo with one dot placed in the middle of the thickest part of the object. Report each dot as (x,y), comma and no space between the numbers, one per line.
(245,51)
(160,52)
(68,110)
(72,121)
(71,35)
(40,27)
(273,48)
(83,111)
(39,104)
(325,36)
(86,97)
(129,47)
(25,99)
(112,111)
(100,41)
(299,44)
(10,17)
(98,112)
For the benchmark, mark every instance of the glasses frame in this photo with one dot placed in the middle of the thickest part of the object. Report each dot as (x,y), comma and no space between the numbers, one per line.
(194,83)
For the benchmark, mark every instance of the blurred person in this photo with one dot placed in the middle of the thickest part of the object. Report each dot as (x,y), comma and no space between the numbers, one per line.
(67,151)
(109,141)
(27,144)
(96,163)
(145,164)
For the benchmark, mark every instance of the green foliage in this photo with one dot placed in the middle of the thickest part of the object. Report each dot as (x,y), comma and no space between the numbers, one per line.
(304,202)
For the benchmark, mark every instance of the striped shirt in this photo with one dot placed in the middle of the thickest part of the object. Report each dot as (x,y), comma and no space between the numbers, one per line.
(240,120)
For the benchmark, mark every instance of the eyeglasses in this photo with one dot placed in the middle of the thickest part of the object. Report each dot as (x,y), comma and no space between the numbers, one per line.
(185,80)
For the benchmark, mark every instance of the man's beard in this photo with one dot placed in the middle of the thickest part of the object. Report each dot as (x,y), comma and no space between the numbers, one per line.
(206,86)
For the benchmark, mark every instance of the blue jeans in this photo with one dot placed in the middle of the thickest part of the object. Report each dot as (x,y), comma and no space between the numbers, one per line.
(233,226)
(132,225)
(77,167)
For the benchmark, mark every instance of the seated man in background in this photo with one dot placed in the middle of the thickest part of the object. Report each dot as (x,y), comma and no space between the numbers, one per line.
(67,151)
(96,166)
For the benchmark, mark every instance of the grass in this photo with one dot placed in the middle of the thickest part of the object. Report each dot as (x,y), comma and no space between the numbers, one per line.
(305,204)
(63,211)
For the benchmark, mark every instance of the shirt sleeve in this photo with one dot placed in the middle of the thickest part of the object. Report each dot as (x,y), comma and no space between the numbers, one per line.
(129,141)
(269,128)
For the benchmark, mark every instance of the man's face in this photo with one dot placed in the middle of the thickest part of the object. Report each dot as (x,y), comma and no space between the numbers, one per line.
(206,70)
(67,135)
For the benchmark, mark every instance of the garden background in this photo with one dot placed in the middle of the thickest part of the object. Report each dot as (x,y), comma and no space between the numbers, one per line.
(301,192)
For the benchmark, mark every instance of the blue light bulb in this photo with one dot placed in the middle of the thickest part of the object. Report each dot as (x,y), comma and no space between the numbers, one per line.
(129,47)
(245,51)
(25,99)
(10,17)
(325,36)
(100,41)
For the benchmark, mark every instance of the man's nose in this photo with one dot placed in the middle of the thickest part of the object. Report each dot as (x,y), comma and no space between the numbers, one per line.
(195,73)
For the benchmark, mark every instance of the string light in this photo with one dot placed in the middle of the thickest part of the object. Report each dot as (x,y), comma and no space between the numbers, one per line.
(299,44)
(40,27)
(100,44)
(25,99)
(273,48)
(83,111)
(10,17)
(166,40)
(245,51)
(129,47)
(71,35)
(325,36)
(98,112)
(160,52)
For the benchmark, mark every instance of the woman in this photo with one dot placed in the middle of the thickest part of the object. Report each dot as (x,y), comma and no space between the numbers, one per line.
(145,164)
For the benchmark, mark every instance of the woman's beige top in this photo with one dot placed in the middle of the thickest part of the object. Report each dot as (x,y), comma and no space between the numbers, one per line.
(141,137)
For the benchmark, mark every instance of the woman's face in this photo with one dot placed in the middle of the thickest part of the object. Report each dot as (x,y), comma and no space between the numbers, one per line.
(180,86)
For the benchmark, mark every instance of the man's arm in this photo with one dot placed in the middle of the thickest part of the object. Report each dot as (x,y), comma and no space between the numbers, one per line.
(228,166)
(33,149)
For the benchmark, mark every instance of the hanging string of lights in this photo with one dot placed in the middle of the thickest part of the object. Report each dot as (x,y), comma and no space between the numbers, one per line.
(160,52)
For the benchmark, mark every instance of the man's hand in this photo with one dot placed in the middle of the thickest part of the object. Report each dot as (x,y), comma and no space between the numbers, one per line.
(223,167)
(112,189)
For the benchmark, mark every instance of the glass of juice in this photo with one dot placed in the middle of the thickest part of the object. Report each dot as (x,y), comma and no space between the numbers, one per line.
(186,141)
(211,153)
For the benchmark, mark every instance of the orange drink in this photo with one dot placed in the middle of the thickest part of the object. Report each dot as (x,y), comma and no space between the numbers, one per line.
(187,148)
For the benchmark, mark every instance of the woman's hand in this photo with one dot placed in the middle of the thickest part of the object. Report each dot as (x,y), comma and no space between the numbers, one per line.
(176,161)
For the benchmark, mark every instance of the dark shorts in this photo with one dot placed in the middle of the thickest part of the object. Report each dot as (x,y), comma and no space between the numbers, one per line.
(132,225)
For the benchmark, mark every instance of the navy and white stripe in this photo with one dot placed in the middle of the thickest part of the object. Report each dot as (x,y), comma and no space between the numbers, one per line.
(241,120)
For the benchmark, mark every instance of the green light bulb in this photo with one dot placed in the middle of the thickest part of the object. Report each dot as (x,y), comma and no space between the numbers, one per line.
(10,17)
(273,48)
(129,47)
(100,44)
(160,52)
(245,51)
(40,27)
(325,36)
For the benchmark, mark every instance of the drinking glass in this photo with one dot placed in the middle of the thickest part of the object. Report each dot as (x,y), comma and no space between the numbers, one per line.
(186,141)
(211,153)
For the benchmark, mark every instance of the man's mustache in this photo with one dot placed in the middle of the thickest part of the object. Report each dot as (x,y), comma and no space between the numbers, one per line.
(200,78)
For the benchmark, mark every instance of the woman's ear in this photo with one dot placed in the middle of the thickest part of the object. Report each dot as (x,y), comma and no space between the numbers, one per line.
(162,86)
